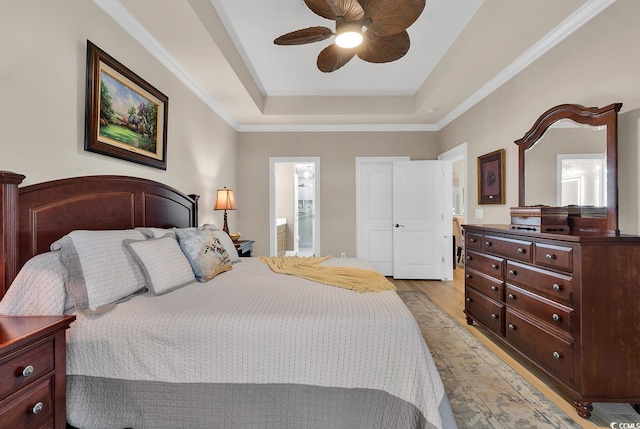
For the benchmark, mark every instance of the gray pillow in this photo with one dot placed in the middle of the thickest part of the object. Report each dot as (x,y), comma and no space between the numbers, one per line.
(164,265)
(205,253)
(101,271)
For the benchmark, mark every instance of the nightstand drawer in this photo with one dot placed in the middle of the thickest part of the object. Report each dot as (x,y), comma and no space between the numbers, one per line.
(24,368)
(32,409)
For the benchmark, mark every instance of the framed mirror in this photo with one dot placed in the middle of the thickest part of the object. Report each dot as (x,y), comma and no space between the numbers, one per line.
(569,158)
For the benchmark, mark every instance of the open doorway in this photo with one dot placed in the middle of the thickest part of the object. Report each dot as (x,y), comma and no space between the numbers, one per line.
(458,158)
(294,207)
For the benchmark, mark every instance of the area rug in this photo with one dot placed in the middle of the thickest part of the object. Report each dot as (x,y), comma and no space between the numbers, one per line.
(483,390)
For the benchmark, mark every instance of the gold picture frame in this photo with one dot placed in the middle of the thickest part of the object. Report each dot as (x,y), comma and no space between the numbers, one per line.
(126,117)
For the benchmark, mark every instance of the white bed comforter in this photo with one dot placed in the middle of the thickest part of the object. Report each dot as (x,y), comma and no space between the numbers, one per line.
(250,325)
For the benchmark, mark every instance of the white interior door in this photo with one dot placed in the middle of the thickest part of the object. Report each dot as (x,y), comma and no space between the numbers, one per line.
(419,237)
(374,199)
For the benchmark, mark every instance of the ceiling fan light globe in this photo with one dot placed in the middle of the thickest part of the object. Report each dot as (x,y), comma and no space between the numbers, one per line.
(349,39)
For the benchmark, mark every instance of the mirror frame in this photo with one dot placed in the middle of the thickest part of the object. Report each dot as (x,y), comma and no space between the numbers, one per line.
(593,116)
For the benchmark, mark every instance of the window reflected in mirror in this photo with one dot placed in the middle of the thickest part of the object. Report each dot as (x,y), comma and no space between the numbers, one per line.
(581,179)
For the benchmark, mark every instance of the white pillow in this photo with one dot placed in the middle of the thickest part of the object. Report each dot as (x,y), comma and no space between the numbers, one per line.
(38,289)
(101,271)
(164,265)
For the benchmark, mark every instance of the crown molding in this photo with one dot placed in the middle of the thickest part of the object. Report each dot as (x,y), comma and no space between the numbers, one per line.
(576,20)
(322,128)
(123,17)
(580,17)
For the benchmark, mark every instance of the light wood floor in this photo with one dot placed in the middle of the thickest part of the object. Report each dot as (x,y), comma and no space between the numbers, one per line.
(449,296)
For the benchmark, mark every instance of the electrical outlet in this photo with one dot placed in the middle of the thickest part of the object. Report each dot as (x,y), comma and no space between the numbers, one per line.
(343,255)
(479,213)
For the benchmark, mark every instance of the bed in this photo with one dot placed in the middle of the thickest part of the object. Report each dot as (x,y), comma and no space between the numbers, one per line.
(248,348)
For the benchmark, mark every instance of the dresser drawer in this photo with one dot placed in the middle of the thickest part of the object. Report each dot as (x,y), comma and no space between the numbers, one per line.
(484,310)
(549,312)
(558,257)
(557,287)
(489,286)
(32,408)
(473,241)
(487,264)
(515,249)
(24,368)
(549,350)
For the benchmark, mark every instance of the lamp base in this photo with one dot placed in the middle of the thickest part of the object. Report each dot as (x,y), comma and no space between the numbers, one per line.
(225,227)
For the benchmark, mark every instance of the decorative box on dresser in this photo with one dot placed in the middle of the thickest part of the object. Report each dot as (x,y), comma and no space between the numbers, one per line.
(33,371)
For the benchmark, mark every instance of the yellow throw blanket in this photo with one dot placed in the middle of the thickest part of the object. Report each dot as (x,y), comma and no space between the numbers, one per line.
(355,279)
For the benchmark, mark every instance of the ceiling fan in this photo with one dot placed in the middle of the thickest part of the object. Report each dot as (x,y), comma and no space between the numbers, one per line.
(374,30)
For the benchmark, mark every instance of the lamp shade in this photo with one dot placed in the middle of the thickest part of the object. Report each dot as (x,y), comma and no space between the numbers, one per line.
(225,200)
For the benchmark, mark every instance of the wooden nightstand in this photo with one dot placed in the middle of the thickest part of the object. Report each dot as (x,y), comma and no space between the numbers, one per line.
(244,247)
(33,371)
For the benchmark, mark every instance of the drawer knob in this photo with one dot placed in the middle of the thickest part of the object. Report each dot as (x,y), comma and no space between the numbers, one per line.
(555,317)
(512,272)
(512,327)
(473,240)
(494,316)
(548,256)
(487,243)
(37,408)
(468,300)
(27,371)
(468,276)
(556,286)
(494,266)
(494,288)
(469,257)
(520,250)
(512,296)
(556,355)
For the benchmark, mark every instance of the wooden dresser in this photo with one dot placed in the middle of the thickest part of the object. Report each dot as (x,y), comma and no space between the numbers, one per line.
(567,303)
(32,371)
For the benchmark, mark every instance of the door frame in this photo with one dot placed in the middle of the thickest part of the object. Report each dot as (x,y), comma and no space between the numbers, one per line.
(460,153)
(273,238)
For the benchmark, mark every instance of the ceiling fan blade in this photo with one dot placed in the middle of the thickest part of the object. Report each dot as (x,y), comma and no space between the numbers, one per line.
(391,16)
(332,9)
(383,49)
(333,57)
(304,36)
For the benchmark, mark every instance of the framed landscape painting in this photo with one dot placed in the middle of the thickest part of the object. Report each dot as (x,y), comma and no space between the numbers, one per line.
(125,116)
(491,178)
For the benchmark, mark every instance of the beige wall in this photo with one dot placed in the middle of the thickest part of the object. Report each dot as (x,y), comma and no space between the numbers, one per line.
(597,65)
(42,103)
(337,153)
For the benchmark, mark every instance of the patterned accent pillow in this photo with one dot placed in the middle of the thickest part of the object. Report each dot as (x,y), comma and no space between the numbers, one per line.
(207,256)
(228,245)
(101,272)
(164,265)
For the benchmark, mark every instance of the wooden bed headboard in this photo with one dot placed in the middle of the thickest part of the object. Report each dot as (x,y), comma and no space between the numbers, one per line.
(32,217)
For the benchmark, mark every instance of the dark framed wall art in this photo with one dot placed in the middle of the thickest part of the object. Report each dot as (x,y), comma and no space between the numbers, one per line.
(126,117)
(491,178)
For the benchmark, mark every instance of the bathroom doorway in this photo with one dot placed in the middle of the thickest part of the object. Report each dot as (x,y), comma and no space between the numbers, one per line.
(294,206)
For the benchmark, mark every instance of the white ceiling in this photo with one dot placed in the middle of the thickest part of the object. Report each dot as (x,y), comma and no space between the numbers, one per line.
(461,50)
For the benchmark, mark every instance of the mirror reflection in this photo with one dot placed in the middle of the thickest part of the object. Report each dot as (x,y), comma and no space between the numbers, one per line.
(566,166)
